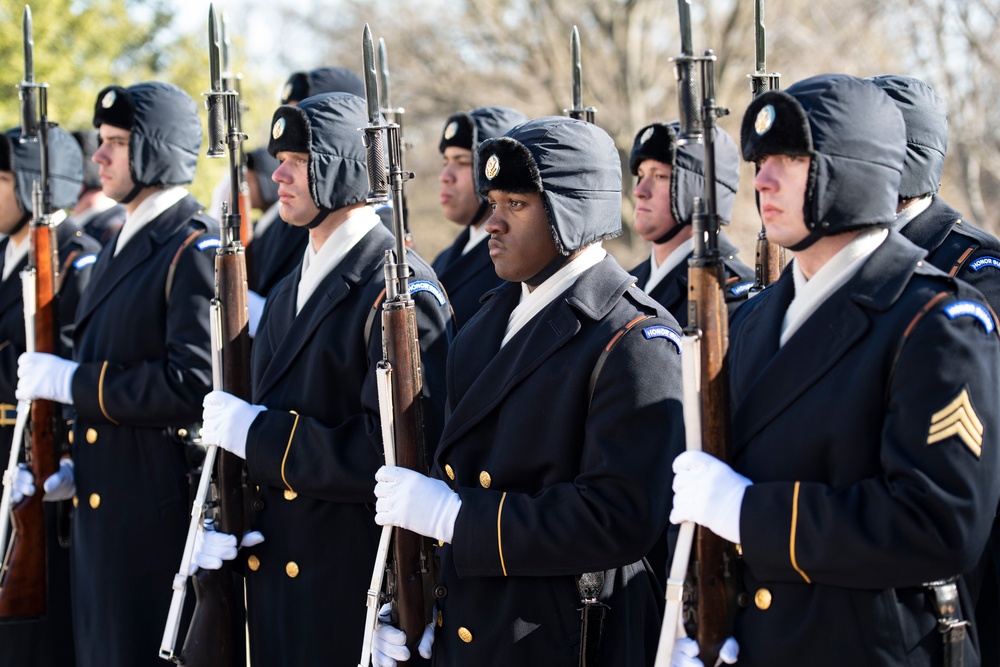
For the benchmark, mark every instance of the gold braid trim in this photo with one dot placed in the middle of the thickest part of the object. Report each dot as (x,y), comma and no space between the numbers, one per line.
(499,541)
(100,395)
(791,540)
(288,447)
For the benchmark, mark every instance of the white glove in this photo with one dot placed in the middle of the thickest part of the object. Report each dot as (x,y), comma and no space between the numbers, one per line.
(61,484)
(255,308)
(686,653)
(426,642)
(45,376)
(389,643)
(24,484)
(226,421)
(709,493)
(415,502)
(211,548)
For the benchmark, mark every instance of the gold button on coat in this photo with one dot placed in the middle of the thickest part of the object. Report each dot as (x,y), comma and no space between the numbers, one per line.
(95,500)
(290,495)
(762,598)
(76,501)
(253,563)
(440,619)
(485,480)
(69,437)
(91,435)
(448,470)
(465,635)
(292,569)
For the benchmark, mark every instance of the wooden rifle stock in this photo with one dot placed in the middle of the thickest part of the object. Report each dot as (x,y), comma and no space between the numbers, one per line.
(23,588)
(216,635)
(707,308)
(402,351)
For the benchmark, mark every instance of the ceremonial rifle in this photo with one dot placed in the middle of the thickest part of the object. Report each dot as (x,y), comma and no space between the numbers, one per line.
(769,257)
(578,111)
(23,586)
(216,635)
(708,324)
(233,81)
(393,115)
(409,574)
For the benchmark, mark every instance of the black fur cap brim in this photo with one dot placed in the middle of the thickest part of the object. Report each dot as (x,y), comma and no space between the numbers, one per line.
(290,131)
(114,106)
(659,145)
(775,124)
(505,164)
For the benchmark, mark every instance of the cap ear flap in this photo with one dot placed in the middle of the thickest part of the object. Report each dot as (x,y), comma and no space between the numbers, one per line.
(505,164)
(775,124)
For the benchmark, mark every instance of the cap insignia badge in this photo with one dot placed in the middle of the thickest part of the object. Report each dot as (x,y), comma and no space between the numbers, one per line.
(108,100)
(647,135)
(451,130)
(764,120)
(492,167)
(278,129)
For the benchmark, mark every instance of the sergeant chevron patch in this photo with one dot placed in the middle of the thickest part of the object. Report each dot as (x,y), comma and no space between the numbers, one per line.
(958,418)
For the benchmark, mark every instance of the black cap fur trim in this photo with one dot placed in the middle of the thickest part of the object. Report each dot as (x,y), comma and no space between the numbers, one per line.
(459,131)
(114,106)
(656,141)
(5,164)
(290,131)
(775,124)
(511,165)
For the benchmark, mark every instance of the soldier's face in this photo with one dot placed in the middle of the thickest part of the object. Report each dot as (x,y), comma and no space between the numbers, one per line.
(112,158)
(296,205)
(653,217)
(781,181)
(458,193)
(10,212)
(520,243)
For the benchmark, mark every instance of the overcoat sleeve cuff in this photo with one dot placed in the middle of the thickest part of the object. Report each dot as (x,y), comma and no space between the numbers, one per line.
(479,533)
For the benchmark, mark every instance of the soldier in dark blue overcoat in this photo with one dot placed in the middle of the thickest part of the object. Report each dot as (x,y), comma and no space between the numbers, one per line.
(551,479)
(669,177)
(311,437)
(865,398)
(48,641)
(141,368)
(464,267)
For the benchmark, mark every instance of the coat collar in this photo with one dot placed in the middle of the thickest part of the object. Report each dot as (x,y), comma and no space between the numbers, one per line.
(109,270)
(777,377)
(488,373)
(289,334)
(930,228)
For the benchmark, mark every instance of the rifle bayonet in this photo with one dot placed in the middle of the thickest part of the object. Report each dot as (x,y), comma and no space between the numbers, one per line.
(26,91)
(578,111)
(760,80)
(383,77)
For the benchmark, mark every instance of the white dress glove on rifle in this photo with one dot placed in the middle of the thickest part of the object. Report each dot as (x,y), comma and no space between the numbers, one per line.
(24,484)
(226,421)
(709,493)
(686,653)
(58,486)
(255,308)
(211,548)
(389,642)
(415,502)
(45,376)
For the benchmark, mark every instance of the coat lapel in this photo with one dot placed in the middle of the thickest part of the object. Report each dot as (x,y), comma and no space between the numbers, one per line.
(110,271)
(353,270)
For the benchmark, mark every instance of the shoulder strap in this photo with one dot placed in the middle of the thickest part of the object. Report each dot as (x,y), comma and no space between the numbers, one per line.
(177,256)
(606,351)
